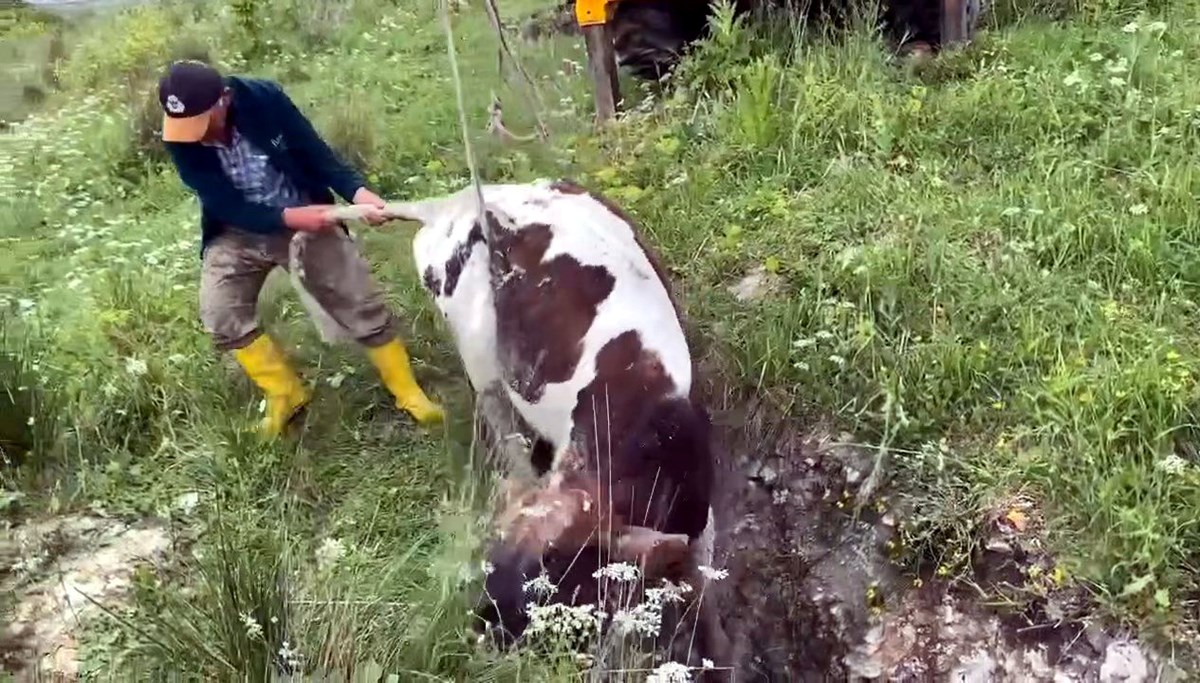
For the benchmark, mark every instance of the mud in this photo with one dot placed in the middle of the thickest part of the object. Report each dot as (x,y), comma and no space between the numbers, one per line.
(813,595)
(54,574)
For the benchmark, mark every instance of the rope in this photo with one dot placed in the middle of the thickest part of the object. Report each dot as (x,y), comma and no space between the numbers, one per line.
(452,55)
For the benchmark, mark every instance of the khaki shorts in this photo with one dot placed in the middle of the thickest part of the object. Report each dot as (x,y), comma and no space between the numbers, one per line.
(334,279)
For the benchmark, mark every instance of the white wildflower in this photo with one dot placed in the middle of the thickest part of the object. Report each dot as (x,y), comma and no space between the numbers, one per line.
(330,551)
(838,360)
(541,586)
(670,672)
(292,658)
(1073,79)
(1095,57)
(644,619)
(1116,82)
(620,571)
(1139,209)
(254,630)
(708,664)
(488,568)
(561,619)
(669,592)
(1131,27)
(136,367)
(1172,464)
(714,574)
(187,502)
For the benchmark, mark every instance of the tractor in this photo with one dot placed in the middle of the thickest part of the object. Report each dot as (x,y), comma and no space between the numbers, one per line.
(650,36)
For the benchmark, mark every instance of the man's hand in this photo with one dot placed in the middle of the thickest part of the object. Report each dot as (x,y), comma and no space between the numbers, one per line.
(366,197)
(312,218)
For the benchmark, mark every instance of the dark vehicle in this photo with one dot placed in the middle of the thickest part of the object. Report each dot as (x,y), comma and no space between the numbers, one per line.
(649,36)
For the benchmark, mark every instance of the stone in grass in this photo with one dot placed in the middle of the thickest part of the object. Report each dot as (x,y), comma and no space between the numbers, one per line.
(756,285)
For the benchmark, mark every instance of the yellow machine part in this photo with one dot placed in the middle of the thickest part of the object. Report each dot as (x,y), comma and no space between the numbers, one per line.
(591,12)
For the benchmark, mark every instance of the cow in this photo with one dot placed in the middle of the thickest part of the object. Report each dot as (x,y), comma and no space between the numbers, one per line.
(556,303)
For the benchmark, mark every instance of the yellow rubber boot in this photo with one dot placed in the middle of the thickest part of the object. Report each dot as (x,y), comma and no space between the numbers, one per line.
(266,365)
(391,360)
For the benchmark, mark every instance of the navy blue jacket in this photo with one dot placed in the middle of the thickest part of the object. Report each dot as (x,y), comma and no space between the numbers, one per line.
(262,112)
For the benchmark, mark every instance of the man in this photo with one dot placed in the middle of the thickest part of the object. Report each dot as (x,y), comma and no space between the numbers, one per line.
(263,175)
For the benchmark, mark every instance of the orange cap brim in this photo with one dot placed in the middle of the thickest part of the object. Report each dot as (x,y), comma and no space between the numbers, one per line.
(191,129)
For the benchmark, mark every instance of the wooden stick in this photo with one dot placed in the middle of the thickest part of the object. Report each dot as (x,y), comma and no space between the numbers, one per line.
(954,29)
(602,64)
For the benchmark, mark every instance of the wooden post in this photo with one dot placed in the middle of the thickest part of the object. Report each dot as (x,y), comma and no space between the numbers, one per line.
(954,23)
(592,16)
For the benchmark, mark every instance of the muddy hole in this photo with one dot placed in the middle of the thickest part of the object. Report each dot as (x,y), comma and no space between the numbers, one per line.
(813,595)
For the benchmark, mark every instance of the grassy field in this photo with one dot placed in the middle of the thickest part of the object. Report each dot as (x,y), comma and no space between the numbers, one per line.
(29,45)
(988,264)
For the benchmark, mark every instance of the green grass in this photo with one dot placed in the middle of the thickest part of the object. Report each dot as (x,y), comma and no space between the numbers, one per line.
(988,264)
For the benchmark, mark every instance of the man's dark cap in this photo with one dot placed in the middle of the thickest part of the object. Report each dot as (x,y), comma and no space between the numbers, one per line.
(187,92)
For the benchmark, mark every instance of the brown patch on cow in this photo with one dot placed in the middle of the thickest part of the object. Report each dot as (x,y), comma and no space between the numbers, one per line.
(458,259)
(629,379)
(568,187)
(543,308)
(652,445)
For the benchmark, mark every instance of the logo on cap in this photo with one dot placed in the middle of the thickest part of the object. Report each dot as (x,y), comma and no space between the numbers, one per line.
(174,105)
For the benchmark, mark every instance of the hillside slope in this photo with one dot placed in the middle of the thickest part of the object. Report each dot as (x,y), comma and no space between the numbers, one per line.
(984,268)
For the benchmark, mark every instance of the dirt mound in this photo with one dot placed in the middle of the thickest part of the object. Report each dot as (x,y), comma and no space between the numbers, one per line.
(812,594)
(55,572)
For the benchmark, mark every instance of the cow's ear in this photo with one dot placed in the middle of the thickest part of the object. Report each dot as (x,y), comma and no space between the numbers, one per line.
(658,554)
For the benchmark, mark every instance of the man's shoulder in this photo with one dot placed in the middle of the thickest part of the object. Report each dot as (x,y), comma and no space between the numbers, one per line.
(247,87)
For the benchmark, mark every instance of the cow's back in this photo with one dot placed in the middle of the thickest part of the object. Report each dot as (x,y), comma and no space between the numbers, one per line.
(570,277)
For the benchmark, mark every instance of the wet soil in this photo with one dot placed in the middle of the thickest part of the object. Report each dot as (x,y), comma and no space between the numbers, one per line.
(814,596)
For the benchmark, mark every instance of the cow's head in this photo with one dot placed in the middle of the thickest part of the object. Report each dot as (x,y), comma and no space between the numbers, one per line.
(560,530)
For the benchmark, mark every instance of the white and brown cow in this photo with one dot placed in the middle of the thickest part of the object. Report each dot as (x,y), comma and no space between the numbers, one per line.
(558,305)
